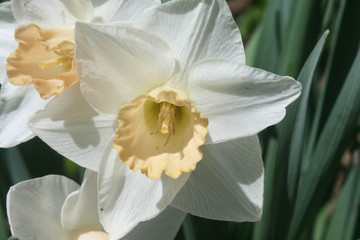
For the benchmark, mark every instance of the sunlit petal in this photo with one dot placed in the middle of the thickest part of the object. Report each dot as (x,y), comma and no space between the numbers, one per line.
(52,13)
(121,10)
(80,207)
(164,226)
(17,105)
(228,183)
(128,61)
(7,41)
(239,100)
(196,30)
(127,198)
(71,127)
(34,207)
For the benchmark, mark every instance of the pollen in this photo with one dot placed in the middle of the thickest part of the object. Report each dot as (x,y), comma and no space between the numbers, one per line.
(62,62)
(166,121)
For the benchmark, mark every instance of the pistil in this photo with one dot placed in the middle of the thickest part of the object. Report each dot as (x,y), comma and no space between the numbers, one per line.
(62,61)
(166,121)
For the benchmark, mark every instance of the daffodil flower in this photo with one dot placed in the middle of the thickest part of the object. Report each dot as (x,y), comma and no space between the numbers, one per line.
(169,106)
(44,55)
(56,208)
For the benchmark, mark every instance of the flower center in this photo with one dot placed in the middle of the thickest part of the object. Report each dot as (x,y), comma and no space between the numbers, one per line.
(62,61)
(45,57)
(166,121)
(160,132)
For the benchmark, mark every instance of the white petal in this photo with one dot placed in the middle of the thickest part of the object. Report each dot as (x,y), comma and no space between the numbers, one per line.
(196,30)
(127,198)
(238,100)
(117,63)
(52,13)
(227,184)
(17,105)
(163,227)
(34,207)
(7,40)
(71,127)
(80,207)
(108,11)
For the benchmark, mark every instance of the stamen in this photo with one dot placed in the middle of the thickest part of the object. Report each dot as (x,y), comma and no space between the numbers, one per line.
(166,120)
(60,61)
(149,121)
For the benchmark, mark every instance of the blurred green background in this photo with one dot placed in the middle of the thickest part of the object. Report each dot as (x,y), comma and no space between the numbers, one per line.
(312,172)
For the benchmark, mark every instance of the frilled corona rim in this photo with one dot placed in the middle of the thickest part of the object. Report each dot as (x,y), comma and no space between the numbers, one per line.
(44,57)
(160,132)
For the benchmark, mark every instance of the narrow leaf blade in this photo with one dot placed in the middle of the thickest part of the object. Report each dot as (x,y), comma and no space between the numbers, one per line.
(342,224)
(337,131)
(296,144)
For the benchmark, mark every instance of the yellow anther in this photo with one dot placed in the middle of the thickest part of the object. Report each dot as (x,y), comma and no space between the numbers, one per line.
(63,61)
(164,129)
(166,120)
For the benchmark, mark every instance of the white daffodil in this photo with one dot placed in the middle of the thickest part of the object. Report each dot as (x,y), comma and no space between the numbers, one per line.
(43,53)
(168,95)
(56,208)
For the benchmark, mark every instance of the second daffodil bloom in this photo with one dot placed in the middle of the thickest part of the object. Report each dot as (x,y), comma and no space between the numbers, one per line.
(166,96)
(56,208)
(39,62)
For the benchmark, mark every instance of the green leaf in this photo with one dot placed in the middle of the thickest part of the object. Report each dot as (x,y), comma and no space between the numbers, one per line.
(251,47)
(343,222)
(294,38)
(3,230)
(297,139)
(286,7)
(188,228)
(16,166)
(262,229)
(269,43)
(4,186)
(337,132)
(341,56)
(283,194)
(329,13)
(321,224)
